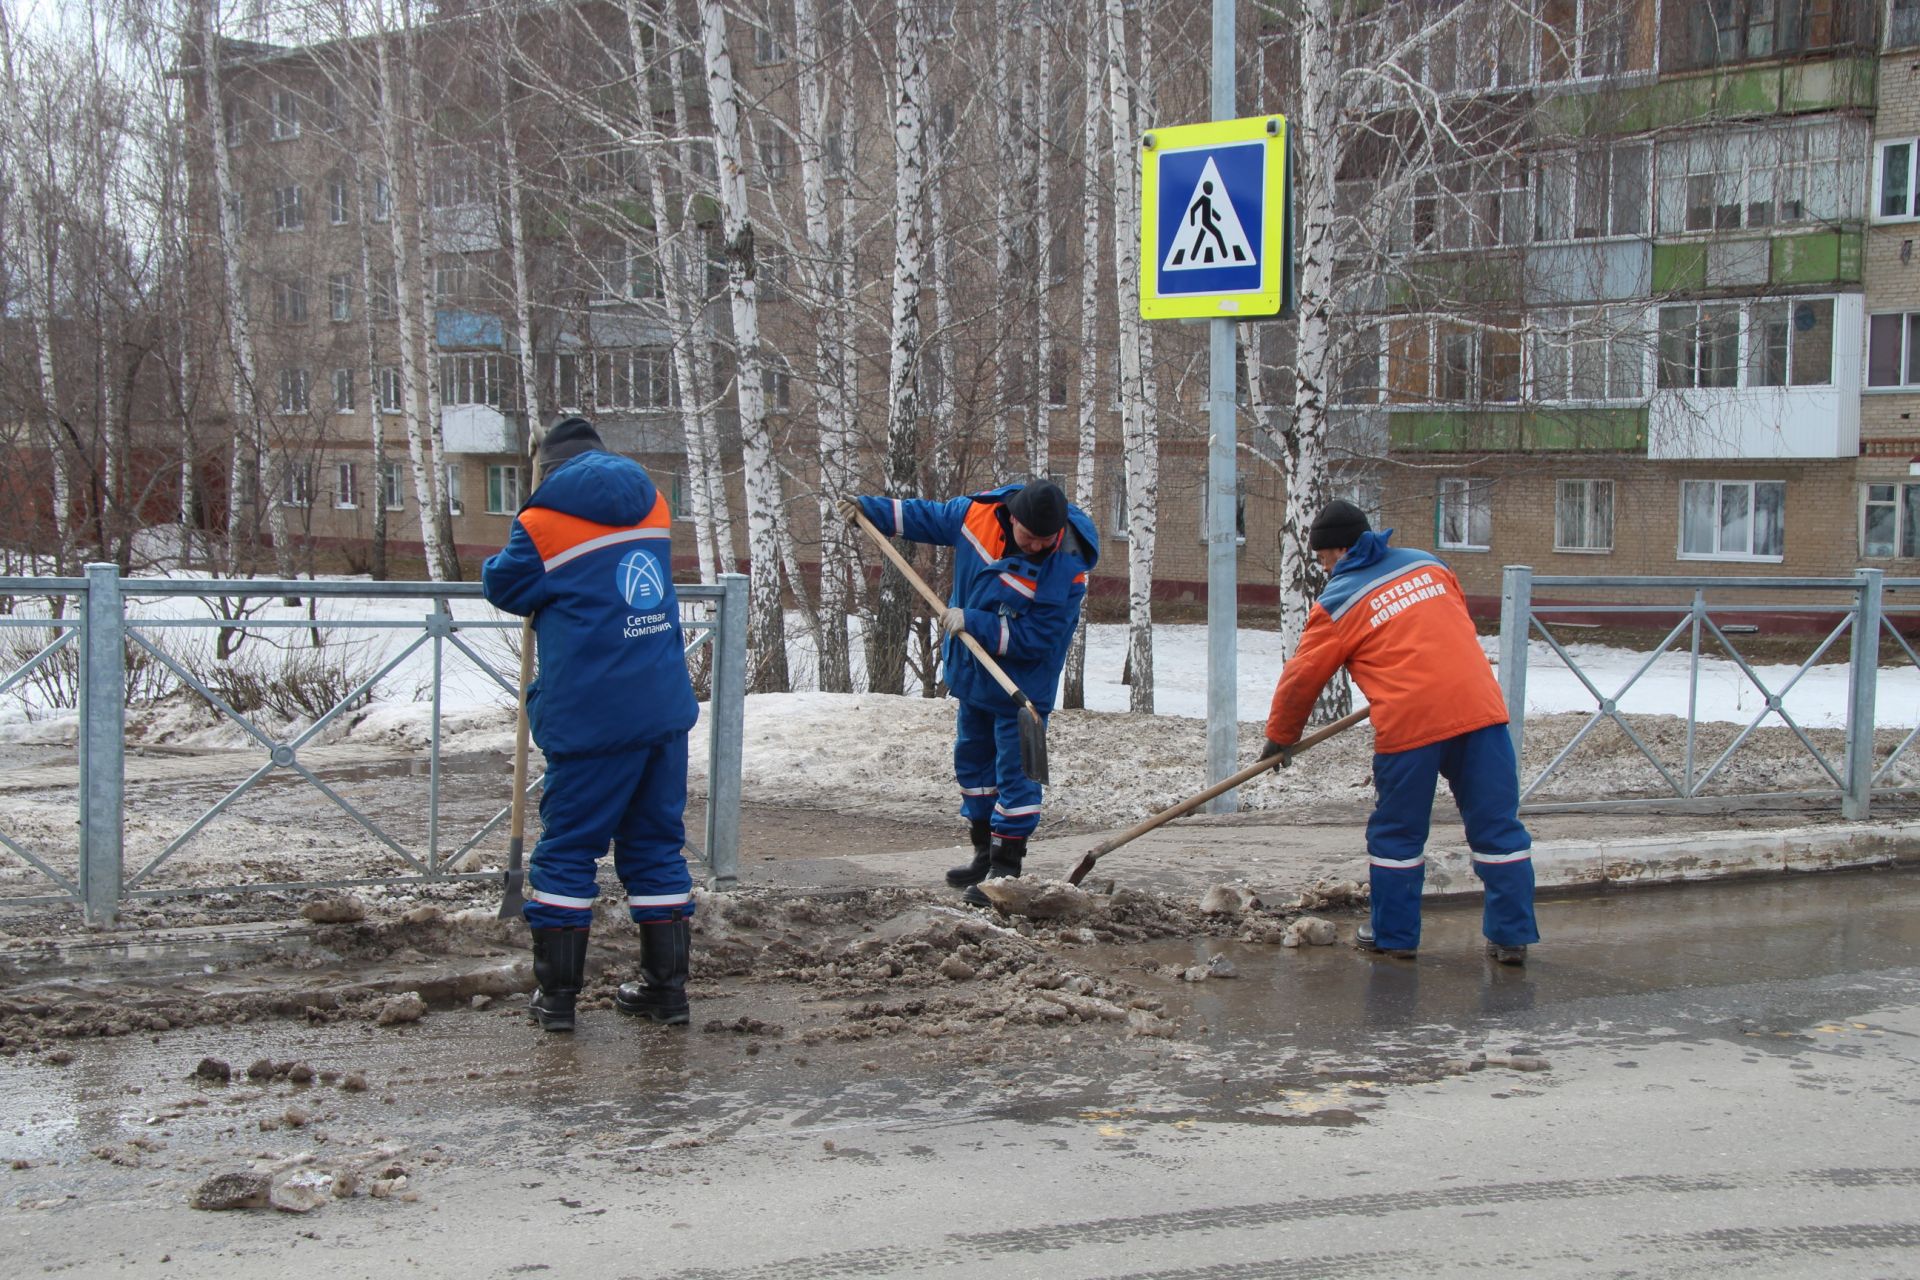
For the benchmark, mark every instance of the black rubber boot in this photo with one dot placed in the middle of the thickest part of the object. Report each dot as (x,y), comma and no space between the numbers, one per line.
(1005,859)
(559,964)
(976,871)
(661,993)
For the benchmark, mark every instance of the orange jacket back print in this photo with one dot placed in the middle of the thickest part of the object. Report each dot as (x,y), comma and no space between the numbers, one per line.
(1397,620)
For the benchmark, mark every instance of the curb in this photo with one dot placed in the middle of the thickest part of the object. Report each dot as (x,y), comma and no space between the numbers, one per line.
(1662,860)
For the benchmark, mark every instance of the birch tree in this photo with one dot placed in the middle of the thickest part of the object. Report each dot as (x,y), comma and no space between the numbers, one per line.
(1092,107)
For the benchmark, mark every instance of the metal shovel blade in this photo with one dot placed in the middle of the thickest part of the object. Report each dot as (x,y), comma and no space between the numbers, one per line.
(1033,744)
(515,876)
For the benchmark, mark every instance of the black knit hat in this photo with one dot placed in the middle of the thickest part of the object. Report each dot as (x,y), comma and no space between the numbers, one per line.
(570,437)
(1041,507)
(1337,527)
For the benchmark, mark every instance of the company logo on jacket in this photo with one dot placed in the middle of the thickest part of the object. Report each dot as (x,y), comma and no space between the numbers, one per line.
(641,584)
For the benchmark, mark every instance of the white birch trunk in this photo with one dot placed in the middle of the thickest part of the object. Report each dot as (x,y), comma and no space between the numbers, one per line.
(517,247)
(887,644)
(1040,120)
(767,619)
(838,476)
(1092,107)
(424,489)
(1005,51)
(429,308)
(376,420)
(1138,431)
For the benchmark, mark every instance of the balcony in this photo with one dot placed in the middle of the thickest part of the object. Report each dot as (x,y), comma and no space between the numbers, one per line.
(479,428)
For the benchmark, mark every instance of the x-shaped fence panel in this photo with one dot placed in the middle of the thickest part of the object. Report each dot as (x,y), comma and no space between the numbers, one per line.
(33,669)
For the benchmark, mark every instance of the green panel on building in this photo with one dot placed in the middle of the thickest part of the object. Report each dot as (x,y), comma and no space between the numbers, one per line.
(1518,430)
(1484,277)
(1831,84)
(1679,268)
(1824,257)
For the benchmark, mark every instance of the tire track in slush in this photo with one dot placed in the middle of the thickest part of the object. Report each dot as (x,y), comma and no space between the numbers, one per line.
(985,1246)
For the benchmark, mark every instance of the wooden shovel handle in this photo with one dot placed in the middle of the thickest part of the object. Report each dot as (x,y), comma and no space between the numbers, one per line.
(940,606)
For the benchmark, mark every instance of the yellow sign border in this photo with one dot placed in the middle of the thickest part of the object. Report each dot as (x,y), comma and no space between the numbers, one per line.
(1267,300)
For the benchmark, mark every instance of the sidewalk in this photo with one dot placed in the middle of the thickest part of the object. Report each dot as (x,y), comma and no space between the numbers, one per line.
(1278,857)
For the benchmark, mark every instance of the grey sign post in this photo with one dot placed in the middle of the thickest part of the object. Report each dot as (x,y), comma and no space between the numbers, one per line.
(1223,490)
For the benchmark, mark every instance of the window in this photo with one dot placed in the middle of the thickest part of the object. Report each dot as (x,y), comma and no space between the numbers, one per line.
(1890,520)
(382,200)
(1117,501)
(1476,365)
(1732,519)
(1239,512)
(1593,354)
(769,47)
(1603,191)
(333,117)
(503,490)
(297,490)
(337,201)
(1476,206)
(1465,515)
(293,391)
(777,384)
(1903,23)
(1758,178)
(773,156)
(343,391)
(391,492)
(624,273)
(1583,515)
(1057,378)
(283,107)
(1786,343)
(290,301)
(1360,370)
(392,399)
(455,180)
(1893,180)
(289,208)
(560,374)
(470,379)
(641,378)
(340,296)
(386,286)
(236,122)
(450,481)
(1893,350)
(450,276)
(346,493)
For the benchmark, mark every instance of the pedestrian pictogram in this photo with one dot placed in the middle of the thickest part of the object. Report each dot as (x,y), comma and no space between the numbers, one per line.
(1210,234)
(1214,220)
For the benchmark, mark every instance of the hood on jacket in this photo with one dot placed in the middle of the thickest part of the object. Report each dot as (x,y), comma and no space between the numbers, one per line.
(1082,537)
(1370,549)
(598,486)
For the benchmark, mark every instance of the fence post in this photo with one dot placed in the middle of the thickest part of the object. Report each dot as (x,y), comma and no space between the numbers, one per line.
(1863,679)
(726,721)
(103,721)
(1516,624)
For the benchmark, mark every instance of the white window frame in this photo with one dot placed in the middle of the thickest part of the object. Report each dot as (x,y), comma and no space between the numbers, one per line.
(290,300)
(776,159)
(1117,501)
(1720,553)
(393,396)
(297,490)
(499,501)
(450,483)
(343,389)
(1558,188)
(1591,488)
(769,45)
(1239,512)
(468,378)
(1912,210)
(283,115)
(346,491)
(776,384)
(1476,491)
(1775,171)
(338,203)
(382,199)
(340,297)
(296,391)
(290,208)
(1747,336)
(1619,332)
(393,489)
(1906,518)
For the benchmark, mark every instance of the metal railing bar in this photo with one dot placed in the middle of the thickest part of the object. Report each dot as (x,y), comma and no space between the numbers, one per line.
(346,807)
(45,586)
(1681,607)
(193,681)
(52,624)
(309,624)
(1565,751)
(321,588)
(1652,759)
(490,825)
(512,688)
(433,749)
(34,663)
(70,886)
(200,822)
(1776,702)
(1898,751)
(281,886)
(1710,582)
(359,691)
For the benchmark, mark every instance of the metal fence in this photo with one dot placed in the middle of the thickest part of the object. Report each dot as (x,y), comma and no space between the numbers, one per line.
(1854,611)
(93,615)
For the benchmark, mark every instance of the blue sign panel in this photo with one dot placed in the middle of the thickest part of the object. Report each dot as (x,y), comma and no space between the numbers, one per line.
(1212,211)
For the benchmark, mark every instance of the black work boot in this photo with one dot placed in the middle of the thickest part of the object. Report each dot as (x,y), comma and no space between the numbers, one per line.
(661,993)
(1004,860)
(559,964)
(976,871)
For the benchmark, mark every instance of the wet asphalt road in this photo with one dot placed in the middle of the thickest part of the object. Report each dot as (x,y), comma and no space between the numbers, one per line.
(1734,1088)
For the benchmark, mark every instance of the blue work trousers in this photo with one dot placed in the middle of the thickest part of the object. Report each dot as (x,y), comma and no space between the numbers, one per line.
(634,800)
(986,763)
(1479,767)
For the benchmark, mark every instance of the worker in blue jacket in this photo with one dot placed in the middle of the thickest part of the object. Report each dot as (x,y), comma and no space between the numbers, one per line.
(1021,558)
(590,558)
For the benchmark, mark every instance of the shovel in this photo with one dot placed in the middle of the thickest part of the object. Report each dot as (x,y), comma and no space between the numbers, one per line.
(1279,760)
(1033,730)
(515,876)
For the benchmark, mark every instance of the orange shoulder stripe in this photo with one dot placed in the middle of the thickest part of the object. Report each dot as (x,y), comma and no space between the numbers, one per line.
(982,528)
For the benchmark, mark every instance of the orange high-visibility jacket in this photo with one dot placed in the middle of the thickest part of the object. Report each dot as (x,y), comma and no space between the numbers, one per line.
(1397,620)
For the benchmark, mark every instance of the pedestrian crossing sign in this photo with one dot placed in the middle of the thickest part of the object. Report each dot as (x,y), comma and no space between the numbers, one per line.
(1215,220)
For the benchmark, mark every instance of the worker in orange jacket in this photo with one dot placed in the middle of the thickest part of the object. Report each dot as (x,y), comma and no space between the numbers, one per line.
(1397,620)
